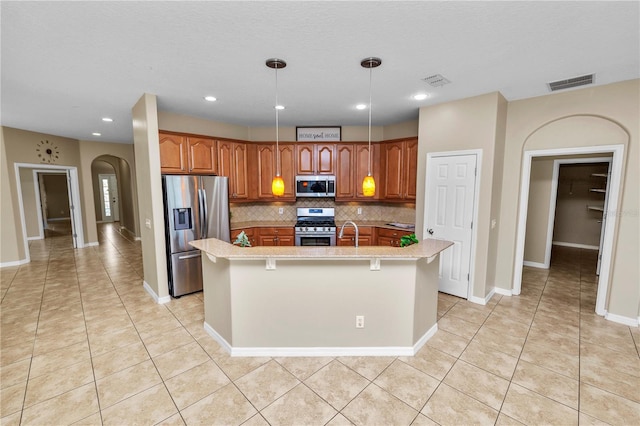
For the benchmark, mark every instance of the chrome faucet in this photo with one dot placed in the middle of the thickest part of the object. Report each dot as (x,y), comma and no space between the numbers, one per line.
(354,225)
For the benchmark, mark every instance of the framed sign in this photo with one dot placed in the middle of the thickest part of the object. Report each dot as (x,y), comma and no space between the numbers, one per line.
(319,134)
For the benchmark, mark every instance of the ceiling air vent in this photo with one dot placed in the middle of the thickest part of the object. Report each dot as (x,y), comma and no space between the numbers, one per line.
(436,80)
(571,82)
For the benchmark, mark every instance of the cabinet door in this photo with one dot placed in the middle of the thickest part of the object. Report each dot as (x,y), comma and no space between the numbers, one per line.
(345,182)
(361,167)
(386,241)
(173,153)
(266,170)
(393,184)
(304,159)
(325,159)
(287,171)
(411,169)
(267,240)
(232,162)
(286,240)
(202,156)
(240,173)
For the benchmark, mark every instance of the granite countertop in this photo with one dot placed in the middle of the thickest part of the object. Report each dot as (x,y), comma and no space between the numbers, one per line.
(217,248)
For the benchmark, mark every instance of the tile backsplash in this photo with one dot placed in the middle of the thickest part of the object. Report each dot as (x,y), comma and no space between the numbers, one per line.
(251,212)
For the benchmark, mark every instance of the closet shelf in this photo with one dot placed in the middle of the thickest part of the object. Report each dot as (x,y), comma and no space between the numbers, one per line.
(604,175)
(596,208)
(602,191)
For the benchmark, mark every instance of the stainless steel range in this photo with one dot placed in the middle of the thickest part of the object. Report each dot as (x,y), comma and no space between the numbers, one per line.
(316,227)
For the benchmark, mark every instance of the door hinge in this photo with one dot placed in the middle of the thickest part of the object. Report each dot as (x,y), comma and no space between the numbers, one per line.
(75,235)
(475,171)
(467,277)
(471,224)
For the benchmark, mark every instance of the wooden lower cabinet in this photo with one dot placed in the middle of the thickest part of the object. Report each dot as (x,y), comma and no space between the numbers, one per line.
(389,237)
(366,236)
(276,236)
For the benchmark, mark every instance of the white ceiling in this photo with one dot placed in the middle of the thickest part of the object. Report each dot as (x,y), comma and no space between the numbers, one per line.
(65,65)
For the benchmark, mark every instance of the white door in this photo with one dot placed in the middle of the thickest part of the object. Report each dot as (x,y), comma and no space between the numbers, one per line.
(72,210)
(109,198)
(451,182)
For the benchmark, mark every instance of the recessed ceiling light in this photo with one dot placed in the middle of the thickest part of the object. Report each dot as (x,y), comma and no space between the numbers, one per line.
(96,134)
(420,96)
(361,106)
(210,98)
(280,107)
(107,119)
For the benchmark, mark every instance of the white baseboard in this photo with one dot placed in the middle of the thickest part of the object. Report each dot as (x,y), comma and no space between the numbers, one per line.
(631,322)
(482,300)
(159,300)
(92,244)
(38,237)
(535,264)
(503,291)
(14,263)
(574,245)
(58,219)
(320,351)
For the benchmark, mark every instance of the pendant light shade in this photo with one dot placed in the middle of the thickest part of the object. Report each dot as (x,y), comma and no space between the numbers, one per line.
(368,186)
(277,184)
(368,183)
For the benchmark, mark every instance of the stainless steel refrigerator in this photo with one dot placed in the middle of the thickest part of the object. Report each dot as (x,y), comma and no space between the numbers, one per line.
(195,208)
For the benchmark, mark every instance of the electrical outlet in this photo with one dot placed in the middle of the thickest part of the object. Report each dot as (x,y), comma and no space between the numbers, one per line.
(359,210)
(359,321)
(280,210)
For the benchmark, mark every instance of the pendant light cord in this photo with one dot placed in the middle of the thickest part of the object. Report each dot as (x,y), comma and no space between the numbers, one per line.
(369,164)
(277,133)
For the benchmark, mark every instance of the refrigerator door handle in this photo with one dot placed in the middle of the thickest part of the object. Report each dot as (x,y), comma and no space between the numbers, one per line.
(189,256)
(204,214)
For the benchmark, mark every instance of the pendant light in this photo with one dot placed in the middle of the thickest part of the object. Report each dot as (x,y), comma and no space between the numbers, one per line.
(369,184)
(277,184)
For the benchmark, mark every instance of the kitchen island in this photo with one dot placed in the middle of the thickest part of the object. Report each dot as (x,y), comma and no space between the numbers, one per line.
(306,301)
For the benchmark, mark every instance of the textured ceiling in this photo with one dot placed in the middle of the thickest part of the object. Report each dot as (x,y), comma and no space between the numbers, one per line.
(67,64)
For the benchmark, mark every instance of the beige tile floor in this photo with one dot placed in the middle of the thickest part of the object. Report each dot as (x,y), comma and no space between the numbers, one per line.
(83,343)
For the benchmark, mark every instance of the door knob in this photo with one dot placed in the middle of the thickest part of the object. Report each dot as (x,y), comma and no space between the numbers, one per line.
(430,231)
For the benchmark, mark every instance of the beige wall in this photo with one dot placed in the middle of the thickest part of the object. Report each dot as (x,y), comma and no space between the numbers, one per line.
(89,151)
(473,123)
(601,115)
(12,249)
(200,126)
(149,186)
(538,214)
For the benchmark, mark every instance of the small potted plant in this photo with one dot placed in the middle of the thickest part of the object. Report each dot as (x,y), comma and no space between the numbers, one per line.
(242,240)
(407,240)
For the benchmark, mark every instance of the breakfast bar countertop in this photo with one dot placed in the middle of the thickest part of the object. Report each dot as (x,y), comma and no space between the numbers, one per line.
(424,249)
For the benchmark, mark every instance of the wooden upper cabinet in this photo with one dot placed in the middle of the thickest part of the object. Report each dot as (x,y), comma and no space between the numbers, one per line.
(315,159)
(411,168)
(392,155)
(287,171)
(263,160)
(361,169)
(202,156)
(400,162)
(345,183)
(183,154)
(232,162)
(173,153)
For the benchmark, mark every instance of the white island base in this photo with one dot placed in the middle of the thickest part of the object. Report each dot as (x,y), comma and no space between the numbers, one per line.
(269,303)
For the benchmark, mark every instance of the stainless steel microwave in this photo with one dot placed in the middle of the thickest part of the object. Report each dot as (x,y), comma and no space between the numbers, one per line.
(316,186)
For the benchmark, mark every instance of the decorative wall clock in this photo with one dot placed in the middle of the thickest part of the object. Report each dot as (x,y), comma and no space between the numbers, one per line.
(48,152)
